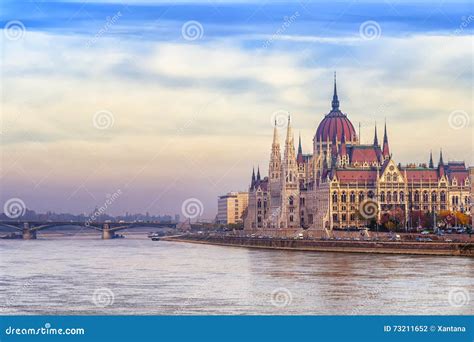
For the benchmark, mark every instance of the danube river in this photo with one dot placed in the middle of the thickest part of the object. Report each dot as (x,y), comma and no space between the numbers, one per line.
(85,275)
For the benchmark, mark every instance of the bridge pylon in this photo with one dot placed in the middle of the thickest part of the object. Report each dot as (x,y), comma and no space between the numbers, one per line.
(27,233)
(107,234)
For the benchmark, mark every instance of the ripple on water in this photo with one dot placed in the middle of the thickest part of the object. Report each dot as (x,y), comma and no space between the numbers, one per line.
(60,276)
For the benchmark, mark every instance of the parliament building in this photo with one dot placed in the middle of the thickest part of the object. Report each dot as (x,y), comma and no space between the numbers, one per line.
(344,183)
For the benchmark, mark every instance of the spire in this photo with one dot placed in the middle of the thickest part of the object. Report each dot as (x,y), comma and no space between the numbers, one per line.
(289,167)
(299,156)
(386,149)
(334,144)
(274,166)
(441,164)
(258,174)
(253,178)
(289,134)
(343,150)
(300,150)
(431,160)
(275,135)
(359,132)
(335,100)
(376,140)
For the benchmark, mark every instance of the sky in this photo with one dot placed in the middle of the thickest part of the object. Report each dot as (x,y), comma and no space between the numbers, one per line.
(170,101)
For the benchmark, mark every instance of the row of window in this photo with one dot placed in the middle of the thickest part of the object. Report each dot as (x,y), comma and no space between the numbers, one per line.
(396,197)
(335,217)
(352,196)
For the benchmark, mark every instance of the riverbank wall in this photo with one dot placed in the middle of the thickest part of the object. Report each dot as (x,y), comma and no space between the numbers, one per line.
(376,247)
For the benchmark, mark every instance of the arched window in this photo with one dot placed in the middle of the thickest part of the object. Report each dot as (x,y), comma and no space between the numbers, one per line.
(417,196)
(290,200)
(382,196)
(394,178)
(389,177)
(395,196)
(343,197)
(334,197)
(291,218)
(361,196)
(259,203)
(425,196)
(370,194)
(389,197)
(442,196)
(434,197)
(352,197)
(402,196)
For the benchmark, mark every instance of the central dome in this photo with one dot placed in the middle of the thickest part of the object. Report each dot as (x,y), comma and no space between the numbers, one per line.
(335,123)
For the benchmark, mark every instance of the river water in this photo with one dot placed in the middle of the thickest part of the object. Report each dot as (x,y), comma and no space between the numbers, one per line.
(86,275)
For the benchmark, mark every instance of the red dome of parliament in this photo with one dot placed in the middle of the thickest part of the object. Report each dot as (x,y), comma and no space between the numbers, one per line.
(335,122)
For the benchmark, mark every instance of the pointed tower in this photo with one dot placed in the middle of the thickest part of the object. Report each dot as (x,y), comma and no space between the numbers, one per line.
(335,99)
(258,174)
(289,159)
(299,157)
(290,192)
(252,185)
(441,170)
(274,169)
(431,164)
(334,148)
(275,181)
(385,149)
(376,140)
(342,155)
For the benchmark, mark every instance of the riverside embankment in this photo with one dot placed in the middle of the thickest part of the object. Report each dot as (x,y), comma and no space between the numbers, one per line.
(385,247)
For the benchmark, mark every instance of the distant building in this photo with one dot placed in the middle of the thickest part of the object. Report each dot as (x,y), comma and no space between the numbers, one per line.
(176,218)
(231,206)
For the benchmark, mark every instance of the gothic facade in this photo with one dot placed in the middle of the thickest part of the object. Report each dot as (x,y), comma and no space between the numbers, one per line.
(344,183)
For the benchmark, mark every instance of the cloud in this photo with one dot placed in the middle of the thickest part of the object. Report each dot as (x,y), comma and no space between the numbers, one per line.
(192,118)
